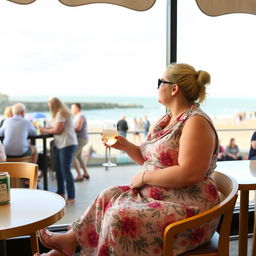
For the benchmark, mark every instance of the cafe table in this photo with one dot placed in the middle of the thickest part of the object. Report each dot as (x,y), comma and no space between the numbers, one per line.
(244,172)
(28,211)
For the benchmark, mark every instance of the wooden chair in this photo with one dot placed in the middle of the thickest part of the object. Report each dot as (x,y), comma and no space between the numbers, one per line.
(27,159)
(27,171)
(219,244)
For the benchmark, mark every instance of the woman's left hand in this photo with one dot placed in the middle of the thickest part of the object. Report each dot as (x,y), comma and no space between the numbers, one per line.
(137,181)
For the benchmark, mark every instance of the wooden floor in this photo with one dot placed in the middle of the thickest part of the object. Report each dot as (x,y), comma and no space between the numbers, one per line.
(100,179)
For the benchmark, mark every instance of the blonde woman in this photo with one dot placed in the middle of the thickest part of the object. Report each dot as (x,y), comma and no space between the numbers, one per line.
(175,182)
(65,141)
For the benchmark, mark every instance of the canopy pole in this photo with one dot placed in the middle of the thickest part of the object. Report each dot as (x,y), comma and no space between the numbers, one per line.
(171,32)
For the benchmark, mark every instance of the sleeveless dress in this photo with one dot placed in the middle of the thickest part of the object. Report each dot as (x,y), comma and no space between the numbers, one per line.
(130,222)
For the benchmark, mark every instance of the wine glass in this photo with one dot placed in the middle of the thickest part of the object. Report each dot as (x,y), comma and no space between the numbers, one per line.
(108,133)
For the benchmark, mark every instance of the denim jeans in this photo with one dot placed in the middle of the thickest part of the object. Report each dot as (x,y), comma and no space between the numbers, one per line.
(63,171)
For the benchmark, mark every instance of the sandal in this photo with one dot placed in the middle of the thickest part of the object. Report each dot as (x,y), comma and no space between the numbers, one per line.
(45,239)
(86,176)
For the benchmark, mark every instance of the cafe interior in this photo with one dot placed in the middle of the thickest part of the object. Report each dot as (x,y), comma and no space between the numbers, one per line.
(236,231)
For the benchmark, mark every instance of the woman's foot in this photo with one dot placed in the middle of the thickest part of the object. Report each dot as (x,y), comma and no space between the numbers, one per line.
(87,176)
(70,202)
(56,242)
(79,178)
(50,253)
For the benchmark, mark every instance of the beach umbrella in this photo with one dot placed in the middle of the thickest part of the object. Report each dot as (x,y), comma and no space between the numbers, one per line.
(138,5)
(37,115)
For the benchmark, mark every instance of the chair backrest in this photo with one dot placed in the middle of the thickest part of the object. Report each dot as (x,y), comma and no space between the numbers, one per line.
(27,159)
(228,189)
(21,170)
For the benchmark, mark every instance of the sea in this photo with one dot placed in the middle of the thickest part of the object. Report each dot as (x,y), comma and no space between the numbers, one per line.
(216,108)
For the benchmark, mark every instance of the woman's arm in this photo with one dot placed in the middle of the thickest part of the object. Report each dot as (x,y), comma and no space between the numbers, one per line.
(56,129)
(131,149)
(197,144)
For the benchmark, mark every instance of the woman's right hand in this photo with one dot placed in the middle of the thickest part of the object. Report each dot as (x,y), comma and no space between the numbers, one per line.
(121,143)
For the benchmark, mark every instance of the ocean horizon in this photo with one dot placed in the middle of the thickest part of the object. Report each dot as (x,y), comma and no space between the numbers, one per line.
(216,108)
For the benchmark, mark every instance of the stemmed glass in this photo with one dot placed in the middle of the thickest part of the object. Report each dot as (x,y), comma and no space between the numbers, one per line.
(108,133)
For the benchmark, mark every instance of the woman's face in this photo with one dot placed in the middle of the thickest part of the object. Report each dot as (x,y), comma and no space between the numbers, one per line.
(74,109)
(164,92)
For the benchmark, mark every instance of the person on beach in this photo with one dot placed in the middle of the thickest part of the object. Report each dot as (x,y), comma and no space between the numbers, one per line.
(221,153)
(252,152)
(178,158)
(232,151)
(65,141)
(146,126)
(7,113)
(82,137)
(122,126)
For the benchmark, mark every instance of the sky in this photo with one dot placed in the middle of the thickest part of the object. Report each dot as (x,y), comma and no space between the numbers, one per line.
(47,48)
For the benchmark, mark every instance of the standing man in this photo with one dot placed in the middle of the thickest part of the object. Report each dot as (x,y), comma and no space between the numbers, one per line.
(122,126)
(16,130)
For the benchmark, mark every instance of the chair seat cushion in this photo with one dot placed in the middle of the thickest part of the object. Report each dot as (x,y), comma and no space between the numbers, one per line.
(210,247)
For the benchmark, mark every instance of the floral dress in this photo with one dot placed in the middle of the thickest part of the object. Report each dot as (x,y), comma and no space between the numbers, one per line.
(130,222)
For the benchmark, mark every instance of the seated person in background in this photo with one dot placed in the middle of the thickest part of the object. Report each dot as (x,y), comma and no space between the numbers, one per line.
(232,151)
(16,130)
(221,153)
(252,152)
(7,113)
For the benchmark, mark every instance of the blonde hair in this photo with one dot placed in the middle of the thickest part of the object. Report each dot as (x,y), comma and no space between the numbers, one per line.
(192,83)
(56,105)
(8,111)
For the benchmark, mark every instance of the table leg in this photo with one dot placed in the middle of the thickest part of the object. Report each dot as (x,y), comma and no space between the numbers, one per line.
(3,250)
(243,223)
(254,228)
(45,164)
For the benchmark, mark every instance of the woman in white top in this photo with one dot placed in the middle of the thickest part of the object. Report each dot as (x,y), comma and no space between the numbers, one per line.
(66,141)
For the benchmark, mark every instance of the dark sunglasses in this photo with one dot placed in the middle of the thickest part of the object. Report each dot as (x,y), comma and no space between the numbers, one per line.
(160,81)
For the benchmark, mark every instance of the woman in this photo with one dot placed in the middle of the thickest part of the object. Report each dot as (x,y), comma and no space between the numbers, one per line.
(82,137)
(65,141)
(232,151)
(177,158)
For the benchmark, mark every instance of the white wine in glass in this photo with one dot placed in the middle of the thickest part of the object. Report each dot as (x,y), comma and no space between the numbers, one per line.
(108,133)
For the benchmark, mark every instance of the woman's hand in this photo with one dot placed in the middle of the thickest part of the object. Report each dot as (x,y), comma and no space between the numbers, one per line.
(137,180)
(42,130)
(121,143)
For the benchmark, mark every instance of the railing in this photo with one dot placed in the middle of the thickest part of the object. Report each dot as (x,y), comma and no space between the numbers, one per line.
(242,137)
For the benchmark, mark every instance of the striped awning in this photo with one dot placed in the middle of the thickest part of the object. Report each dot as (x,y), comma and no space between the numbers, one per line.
(220,7)
(138,5)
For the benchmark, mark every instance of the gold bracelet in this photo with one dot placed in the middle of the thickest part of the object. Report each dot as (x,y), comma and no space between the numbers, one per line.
(142,177)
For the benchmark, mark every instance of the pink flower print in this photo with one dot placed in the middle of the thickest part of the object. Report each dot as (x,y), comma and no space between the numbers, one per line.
(189,212)
(156,194)
(211,191)
(92,236)
(168,158)
(183,243)
(103,251)
(129,226)
(155,205)
(107,205)
(124,188)
(197,236)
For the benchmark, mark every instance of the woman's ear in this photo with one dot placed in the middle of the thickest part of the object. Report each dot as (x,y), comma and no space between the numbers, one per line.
(175,89)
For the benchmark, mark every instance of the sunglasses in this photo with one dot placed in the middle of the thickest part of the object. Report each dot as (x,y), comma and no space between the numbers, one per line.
(160,81)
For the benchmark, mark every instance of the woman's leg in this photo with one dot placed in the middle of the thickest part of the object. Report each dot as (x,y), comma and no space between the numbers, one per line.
(59,173)
(66,155)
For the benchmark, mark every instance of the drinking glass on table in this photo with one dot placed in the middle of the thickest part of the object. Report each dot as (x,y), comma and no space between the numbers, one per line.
(108,134)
